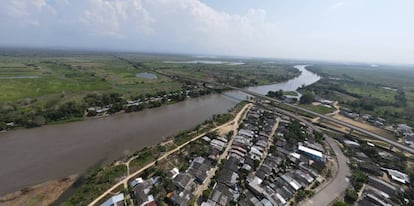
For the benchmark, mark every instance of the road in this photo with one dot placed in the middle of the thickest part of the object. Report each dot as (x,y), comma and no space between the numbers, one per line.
(336,186)
(199,190)
(328,118)
(125,180)
(297,108)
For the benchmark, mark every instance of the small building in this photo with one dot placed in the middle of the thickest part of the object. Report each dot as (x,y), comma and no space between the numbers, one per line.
(350,143)
(116,200)
(221,195)
(179,199)
(141,191)
(314,154)
(183,181)
(383,186)
(398,176)
(174,172)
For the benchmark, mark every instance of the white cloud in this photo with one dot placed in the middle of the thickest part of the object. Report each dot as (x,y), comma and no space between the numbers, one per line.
(116,18)
(337,5)
(174,25)
(191,26)
(26,11)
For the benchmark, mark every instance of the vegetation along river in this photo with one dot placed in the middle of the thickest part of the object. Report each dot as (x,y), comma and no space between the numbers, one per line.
(32,156)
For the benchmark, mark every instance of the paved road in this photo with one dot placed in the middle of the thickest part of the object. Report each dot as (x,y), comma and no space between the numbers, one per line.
(353,127)
(337,185)
(327,118)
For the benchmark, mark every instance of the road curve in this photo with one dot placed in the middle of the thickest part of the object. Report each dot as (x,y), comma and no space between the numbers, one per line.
(338,185)
(330,119)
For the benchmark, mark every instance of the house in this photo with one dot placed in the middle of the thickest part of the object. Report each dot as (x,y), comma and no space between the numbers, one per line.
(199,168)
(141,191)
(221,195)
(179,199)
(314,154)
(403,128)
(229,178)
(183,181)
(398,176)
(383,186)
(350,143)
(292,182)
(250,200)
(174,172)
(116,200)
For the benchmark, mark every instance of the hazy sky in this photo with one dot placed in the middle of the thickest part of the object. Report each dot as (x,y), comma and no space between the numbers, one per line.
(356,30)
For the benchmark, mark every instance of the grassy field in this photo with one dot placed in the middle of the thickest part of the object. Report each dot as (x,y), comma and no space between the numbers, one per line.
(249,74)
(37,77)
(48,78)
(318,108)
(44,87)
(290,93)
(369,89)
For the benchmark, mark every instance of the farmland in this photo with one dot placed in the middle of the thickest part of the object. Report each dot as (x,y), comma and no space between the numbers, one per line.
(386,91)
(57,86)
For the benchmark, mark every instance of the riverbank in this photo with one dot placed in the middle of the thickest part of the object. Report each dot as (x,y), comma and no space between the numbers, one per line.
(93,190)
(57,151)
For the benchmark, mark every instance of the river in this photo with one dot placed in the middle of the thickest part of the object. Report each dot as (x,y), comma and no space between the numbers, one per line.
(33,156)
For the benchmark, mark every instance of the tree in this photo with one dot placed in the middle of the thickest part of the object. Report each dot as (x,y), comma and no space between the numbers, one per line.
(339,203)
(400,99)
(275,94)
(307,98)
(206,193)
(351,196)
(2,126)
(358,178)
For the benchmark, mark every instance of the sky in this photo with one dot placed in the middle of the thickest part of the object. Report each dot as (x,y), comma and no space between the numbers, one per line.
(373,31)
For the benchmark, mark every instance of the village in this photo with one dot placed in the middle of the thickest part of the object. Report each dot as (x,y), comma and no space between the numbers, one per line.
(272,159)
(260,164)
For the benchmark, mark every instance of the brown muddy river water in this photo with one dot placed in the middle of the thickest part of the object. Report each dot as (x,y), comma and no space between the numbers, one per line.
(33,156)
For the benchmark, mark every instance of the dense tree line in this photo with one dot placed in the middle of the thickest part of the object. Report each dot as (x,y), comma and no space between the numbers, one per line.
(294,133)
(275,94)
(307,98)
(115,102)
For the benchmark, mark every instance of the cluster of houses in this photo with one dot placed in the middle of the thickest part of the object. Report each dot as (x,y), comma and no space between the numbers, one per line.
(275,184)
(185,182)
(249,145)
(383,183)
(379,191)
(217,145)
(270,178)
(349,113)
(141,191)
(407,133)
(179,95)
(275,181)
(376,121)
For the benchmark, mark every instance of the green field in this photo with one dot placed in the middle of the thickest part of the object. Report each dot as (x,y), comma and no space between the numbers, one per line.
(249,74)
(368,89)
(318,108)
(60,86)
(37,77)
(290,93)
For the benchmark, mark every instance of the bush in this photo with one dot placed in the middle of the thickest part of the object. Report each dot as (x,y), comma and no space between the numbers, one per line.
(351,196)
(339,203)
(307,98)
